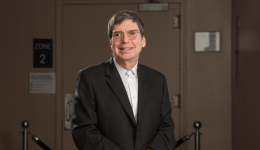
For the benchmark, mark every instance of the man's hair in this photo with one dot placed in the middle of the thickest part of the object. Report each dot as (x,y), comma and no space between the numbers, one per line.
(121,16)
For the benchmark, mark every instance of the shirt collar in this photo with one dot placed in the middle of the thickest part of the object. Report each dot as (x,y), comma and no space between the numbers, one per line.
(122,71)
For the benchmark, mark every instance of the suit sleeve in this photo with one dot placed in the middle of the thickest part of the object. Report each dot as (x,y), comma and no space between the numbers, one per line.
(164,139)
(84,122)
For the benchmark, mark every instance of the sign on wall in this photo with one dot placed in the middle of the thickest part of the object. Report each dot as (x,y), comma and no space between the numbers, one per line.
(42,82)
(207,41)
(42,53)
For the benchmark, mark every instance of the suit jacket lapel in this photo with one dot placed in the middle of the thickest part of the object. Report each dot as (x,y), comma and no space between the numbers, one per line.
(116,84)
(143,90)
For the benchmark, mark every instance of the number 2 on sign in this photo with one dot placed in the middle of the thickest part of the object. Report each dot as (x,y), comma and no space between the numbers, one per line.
(43,58)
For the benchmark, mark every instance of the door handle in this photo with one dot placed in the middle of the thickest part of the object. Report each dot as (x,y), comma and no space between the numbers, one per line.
(68,109)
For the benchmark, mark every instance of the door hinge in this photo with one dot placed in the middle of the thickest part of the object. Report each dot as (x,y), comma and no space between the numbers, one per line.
(176,22)
(176,101)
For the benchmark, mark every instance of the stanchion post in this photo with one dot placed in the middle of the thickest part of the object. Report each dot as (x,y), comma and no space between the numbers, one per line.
(197,126)
(25,125)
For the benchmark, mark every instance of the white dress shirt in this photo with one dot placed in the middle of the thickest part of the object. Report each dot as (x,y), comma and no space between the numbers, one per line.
(130,80)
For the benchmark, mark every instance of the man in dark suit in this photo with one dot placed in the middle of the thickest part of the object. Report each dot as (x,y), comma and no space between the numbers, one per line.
(121,104)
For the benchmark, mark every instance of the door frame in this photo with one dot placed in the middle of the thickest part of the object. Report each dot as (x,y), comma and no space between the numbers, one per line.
(59,112)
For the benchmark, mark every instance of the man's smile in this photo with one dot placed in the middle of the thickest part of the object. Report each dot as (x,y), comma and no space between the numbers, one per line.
(128,48)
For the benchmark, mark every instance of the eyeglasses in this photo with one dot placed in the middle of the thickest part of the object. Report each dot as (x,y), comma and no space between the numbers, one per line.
(119,35)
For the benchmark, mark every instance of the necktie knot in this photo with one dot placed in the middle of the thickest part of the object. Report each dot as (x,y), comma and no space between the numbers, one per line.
(129,72)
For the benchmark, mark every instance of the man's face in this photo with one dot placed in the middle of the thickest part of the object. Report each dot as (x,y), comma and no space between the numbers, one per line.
(127,50)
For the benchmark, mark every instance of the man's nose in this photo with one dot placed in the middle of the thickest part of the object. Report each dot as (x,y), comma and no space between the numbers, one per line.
(125,38)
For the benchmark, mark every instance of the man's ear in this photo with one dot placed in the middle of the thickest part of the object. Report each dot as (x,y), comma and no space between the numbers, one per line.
(110,41)
(143,42)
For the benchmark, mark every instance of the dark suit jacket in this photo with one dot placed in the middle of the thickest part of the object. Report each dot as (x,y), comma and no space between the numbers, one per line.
(103,118)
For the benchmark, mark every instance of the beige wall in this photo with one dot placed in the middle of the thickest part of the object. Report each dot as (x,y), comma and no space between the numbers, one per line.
(205,85)
(209,75)
(245,100)
(21,21)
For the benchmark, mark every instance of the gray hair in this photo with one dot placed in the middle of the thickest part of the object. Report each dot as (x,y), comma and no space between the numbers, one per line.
(121,16)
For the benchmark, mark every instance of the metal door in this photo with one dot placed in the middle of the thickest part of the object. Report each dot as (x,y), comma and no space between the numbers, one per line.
(85,43)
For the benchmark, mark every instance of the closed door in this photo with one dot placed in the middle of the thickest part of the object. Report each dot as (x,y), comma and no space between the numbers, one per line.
(85,43)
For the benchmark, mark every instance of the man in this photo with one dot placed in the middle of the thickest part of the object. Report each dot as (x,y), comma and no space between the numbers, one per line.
(121,104)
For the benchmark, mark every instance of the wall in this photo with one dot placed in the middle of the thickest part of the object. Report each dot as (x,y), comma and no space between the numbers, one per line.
(206,92)
(245,100)
(21,21)
(209,75)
